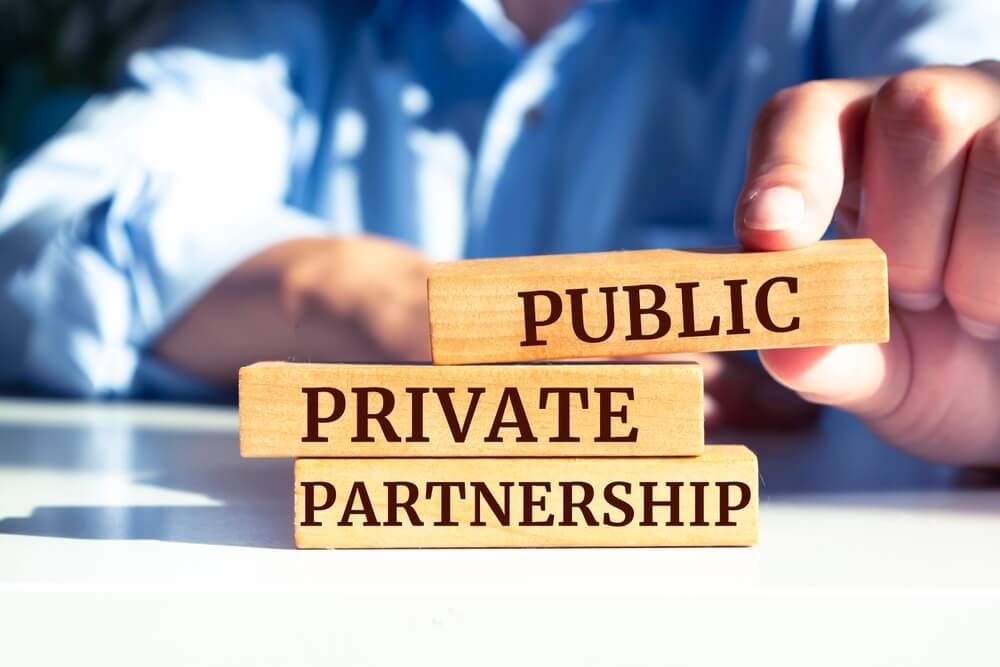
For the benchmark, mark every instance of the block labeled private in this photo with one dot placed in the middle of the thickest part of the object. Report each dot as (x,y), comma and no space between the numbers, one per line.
(657,301)
(709,500)
(353,410)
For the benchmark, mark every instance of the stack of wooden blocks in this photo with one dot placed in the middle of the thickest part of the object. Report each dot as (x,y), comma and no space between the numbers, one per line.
(459,454)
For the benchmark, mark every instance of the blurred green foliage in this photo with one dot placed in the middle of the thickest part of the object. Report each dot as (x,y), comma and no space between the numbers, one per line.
(54,53)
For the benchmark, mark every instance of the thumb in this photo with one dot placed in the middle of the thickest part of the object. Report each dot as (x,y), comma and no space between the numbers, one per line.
(805,142)
(870,380)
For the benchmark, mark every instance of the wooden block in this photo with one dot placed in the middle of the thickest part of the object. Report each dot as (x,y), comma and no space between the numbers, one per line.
(290,409)
(653,301)
(709,500)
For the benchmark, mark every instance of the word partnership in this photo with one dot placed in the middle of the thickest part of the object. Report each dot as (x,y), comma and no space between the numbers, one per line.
(585,454)
(706,500)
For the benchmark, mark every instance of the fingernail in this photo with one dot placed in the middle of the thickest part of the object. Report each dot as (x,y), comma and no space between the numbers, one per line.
(919,301)
(773,209)
(978,329)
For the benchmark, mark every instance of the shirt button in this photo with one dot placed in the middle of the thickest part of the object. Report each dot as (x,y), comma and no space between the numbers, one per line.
(534,115)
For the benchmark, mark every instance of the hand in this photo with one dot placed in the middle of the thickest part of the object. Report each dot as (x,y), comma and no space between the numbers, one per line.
(368,293)
(738,394)
(914,163)
(360,298)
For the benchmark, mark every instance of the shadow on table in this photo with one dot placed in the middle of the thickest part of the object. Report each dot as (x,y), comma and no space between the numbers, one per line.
(221,525)
(247,503)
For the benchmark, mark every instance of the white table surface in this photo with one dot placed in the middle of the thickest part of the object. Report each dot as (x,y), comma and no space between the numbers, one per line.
(112,500)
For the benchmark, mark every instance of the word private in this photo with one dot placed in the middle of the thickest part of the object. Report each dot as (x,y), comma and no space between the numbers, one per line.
(551,410)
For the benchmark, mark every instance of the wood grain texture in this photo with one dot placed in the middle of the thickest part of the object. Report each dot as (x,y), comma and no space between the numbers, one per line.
(663,403)
(477,316)
(389,503)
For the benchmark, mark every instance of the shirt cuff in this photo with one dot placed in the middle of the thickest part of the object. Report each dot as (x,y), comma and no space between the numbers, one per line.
(110,283)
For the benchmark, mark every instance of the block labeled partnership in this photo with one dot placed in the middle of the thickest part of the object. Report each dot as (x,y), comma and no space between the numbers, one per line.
(345,410)
(709,500)
(657,301)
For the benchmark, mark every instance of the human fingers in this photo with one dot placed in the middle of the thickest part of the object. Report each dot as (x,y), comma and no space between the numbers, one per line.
(972,273)
(804,146)
(917,140)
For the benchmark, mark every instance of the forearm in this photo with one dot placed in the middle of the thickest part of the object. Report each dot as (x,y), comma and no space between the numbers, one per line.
(349,300)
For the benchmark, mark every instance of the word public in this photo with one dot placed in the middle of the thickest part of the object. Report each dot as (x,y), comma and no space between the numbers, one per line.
(657,301)
(652,320)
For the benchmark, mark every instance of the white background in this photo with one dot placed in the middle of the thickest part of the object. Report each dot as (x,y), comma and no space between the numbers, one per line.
(134,534)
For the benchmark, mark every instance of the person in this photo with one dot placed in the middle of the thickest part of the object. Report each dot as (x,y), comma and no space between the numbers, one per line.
(273,179)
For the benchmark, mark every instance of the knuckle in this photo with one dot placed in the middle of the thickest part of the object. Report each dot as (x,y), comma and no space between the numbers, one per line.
(794,99)
(768,113)
(989,65)
(919,106)
(812,93)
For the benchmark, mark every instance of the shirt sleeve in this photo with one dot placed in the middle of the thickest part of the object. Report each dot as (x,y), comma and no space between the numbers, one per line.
(156,191)
(872,37)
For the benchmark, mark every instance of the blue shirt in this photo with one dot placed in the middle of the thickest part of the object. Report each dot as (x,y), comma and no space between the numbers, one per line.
(255,122)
